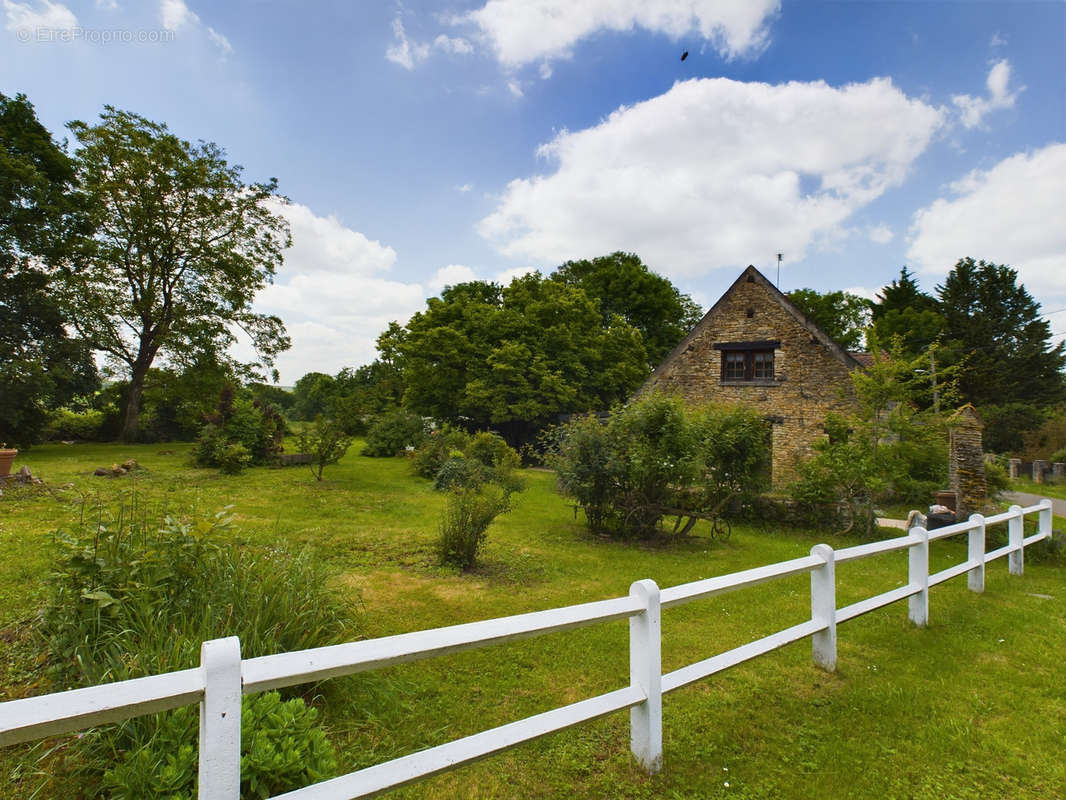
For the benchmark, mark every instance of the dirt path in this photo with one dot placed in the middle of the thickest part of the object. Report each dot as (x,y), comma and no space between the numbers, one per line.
(1058,507)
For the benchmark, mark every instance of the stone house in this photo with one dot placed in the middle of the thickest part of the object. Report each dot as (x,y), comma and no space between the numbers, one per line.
(757,349)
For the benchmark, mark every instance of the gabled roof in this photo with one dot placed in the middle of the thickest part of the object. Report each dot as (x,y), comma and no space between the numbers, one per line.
(850,360)
(966,415)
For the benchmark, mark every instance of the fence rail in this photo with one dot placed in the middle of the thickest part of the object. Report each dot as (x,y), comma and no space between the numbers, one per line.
(221,679)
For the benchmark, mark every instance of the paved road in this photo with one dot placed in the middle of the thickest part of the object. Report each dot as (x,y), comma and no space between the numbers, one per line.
(1058,507)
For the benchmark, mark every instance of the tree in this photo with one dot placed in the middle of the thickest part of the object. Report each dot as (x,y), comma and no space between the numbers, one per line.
(181,246)
(327,443)
(904,310)
(841,315)
(312,394)
(514,358)
(889,449)
(993,330)
(41,367)
(624,286)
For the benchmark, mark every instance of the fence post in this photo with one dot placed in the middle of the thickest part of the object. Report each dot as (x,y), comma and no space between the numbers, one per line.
(220,720)
(975,578)
(1044,518)
(646,672)
(918,575)
(824,608)
(1015,535)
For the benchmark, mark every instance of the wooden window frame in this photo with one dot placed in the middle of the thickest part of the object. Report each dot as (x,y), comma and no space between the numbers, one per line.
(747,362)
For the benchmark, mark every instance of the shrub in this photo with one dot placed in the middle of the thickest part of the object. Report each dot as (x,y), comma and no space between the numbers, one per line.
(232,457)
(656,457)
(64,424)
(282,748)
(394,432)
(460,473)
(163,586)
(498,460)
(1049,438)
(1058,456)
(491,450)
(326,441)
(455,458)
(439,446)
(997,481)
(133,594)
(465,521)
(256,427)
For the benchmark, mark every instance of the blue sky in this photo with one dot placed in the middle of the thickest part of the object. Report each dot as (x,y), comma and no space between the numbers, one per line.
(427,143)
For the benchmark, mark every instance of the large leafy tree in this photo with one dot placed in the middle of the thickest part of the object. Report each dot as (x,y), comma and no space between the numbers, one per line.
(513,358)
(902,309)
(40,365)
(181,246)
(993,329)
(843,316)
(624,286)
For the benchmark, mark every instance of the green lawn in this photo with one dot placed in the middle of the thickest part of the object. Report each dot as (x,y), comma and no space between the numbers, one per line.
(1043,489)
(970,707)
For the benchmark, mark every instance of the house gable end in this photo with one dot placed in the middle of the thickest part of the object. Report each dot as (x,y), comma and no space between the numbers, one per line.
(752,275)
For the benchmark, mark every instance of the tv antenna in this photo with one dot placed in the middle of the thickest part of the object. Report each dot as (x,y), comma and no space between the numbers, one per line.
(779,257)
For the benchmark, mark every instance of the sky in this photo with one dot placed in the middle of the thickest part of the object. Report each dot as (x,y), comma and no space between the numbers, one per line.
(423,144)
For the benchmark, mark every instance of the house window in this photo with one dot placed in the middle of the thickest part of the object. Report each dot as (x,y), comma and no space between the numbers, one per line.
(735,366)
(762,364)
(748,361)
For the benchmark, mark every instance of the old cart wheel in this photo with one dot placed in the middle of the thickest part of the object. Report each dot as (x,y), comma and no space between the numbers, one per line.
(721,529)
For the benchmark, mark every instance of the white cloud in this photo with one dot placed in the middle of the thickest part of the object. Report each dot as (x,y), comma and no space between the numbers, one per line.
(514,87)
(408,53)
(997,40)
(221,41)
(521,31)
(464,188)
(403,51)
(1010,214)
(45,15)
(973,109)
(332,293)
(174,14)
(715,173)
(864,291)
(325,244)
(453,45)
(545,71)
(880,234)
(505,277)
(450,276)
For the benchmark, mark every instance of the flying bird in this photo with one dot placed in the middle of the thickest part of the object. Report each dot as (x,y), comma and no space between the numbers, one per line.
(684,55)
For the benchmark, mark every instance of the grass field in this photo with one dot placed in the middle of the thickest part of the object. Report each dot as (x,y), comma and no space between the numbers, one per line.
(970,707)
(1043,489)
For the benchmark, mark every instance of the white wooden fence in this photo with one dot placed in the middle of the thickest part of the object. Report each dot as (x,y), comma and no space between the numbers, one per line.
(221,679)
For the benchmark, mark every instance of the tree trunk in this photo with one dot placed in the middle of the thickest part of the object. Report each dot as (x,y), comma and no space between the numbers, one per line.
(130,427)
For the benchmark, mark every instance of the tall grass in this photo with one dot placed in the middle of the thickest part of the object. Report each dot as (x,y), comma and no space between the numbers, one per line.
(136,591)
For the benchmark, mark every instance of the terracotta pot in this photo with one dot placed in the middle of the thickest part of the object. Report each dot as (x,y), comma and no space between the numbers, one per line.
(7,458)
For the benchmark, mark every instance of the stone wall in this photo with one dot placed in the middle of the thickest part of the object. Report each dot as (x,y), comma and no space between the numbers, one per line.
(809,379)
(966,462)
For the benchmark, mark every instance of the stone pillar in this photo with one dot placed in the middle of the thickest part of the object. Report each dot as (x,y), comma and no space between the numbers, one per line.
(1039,468)
(1014,468)
(1058,470)
(966,462)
